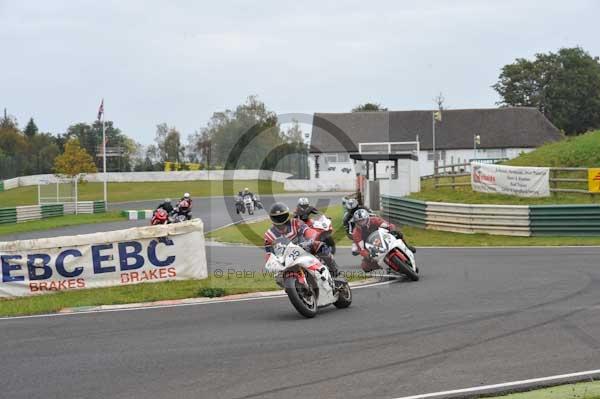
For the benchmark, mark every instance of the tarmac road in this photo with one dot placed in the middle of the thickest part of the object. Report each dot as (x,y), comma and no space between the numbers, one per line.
(478,316)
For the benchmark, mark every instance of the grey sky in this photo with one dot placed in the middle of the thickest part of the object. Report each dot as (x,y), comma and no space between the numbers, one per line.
(179,61)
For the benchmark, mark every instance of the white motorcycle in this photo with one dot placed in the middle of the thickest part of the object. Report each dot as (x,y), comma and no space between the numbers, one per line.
(306,280)
(392,253)
(249,204)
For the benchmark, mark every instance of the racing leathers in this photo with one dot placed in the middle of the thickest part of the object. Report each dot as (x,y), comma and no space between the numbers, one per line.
(299,233)
(361,233)
(304,213)
(167,206)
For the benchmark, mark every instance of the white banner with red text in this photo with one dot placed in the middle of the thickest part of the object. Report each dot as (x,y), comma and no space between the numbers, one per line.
(123,257)
(510,180)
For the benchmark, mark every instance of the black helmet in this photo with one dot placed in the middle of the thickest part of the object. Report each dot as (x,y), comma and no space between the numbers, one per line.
(279,213)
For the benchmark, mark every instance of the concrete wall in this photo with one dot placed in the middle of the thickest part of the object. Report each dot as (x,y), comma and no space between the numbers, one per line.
(157,177)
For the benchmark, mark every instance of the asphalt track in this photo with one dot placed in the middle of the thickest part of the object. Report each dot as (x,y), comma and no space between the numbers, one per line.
(477,317)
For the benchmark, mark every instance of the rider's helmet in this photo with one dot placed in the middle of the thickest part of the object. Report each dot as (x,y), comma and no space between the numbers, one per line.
(303,202)
(361,217)
(167,200)
(351,203)
(246,189)
(186,195)
(279,213)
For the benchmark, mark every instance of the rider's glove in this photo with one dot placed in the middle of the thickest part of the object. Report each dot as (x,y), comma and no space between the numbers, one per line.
(364,253)
(307,245)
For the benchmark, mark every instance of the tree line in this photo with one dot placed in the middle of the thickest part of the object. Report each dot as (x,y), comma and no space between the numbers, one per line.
(249,137)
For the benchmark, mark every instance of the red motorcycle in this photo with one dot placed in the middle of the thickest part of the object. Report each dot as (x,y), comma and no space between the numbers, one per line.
(160,216)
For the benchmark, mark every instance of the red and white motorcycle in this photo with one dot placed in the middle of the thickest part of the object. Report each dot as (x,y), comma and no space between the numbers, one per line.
(392,253)
(322,224)
(306,280)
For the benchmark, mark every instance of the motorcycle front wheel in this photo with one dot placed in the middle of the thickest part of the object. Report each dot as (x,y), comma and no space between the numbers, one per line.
(404,268)
(302,297)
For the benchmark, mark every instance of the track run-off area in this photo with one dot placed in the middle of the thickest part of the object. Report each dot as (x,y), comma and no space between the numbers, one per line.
(477,317)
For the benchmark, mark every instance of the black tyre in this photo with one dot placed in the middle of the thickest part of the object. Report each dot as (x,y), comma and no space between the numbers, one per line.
(303,298)
(405,269)
(345,295)
(330,242)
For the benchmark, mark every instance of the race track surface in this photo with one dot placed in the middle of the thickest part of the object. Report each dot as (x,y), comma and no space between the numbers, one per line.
(478,316)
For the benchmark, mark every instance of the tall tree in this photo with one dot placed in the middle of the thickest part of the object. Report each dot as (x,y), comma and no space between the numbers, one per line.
(565,86)
(369,107)
(31,129)
(168,140)
(74,160)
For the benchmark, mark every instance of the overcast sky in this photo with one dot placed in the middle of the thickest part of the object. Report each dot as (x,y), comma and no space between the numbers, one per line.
(179,61)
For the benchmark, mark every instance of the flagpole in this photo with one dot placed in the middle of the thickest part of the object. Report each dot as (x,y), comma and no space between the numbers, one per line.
(104,157)
(434,152)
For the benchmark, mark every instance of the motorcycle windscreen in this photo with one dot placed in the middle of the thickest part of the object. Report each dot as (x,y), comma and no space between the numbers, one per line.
(377,240)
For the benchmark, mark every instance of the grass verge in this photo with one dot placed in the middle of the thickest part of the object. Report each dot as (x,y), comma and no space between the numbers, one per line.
(60,221)
(120,192)
(252,234)
(584,390)
(465,195)
(231,282)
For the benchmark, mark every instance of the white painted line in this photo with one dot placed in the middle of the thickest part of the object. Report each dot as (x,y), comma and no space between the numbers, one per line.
(274,296)
(504,385)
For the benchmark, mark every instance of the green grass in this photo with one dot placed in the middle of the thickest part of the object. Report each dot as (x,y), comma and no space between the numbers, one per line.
(60,221)
(575,152)
(120,192)
(580,151)
(464,194)
(230,283)
(252,234)
(584,390)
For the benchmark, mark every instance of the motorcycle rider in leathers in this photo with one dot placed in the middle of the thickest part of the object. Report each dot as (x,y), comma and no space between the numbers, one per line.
(298,232)
(366,224)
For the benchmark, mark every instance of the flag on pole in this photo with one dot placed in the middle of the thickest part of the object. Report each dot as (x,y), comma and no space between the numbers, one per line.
(437,115)
(101,110)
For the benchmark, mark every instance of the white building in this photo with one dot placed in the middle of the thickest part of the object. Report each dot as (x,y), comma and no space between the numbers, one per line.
(503,133)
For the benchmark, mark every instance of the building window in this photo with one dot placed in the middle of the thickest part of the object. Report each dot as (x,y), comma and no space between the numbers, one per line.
(337,158)
(441,155)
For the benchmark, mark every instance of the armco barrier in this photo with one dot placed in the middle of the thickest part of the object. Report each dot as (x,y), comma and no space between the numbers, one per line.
(35,212)
(138,215)
(404,210)
(474,218)
(461,218)
(571,220)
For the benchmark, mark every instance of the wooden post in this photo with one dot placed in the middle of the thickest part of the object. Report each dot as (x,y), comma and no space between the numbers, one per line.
(553,184)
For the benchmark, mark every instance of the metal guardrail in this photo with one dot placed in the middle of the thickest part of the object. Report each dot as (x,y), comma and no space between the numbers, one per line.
(404,211)
(36,212)
(565,220)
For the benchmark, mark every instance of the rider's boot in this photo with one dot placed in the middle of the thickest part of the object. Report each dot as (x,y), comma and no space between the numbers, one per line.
(331,265)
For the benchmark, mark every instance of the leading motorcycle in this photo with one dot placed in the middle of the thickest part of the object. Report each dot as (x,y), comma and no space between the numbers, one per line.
(391,252)
(305,279)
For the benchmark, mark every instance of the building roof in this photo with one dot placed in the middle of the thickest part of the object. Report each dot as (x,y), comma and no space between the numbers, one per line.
(497,127)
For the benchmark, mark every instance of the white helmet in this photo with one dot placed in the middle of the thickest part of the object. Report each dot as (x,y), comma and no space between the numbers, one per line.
(167,199)
(351,203)
(186,195)
(303,202)
(361,217)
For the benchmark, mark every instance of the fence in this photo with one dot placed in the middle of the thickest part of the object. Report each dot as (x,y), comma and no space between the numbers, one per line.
(562,180)
(515,220)
(27,213)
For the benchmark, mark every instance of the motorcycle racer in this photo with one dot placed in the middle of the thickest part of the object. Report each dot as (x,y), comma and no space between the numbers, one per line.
(297,231)
(304,210)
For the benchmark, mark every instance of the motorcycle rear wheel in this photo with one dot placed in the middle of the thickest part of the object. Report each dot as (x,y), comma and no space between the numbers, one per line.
(344,295)
(302,297)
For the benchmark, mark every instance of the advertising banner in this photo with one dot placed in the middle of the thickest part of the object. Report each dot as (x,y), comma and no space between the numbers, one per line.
(123,257)
(510,180)
(594,180)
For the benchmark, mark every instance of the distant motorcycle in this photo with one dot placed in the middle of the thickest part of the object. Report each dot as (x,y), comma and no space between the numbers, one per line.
(249,204)
(306,280)
(160,216)
(322,224)
(390,251)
